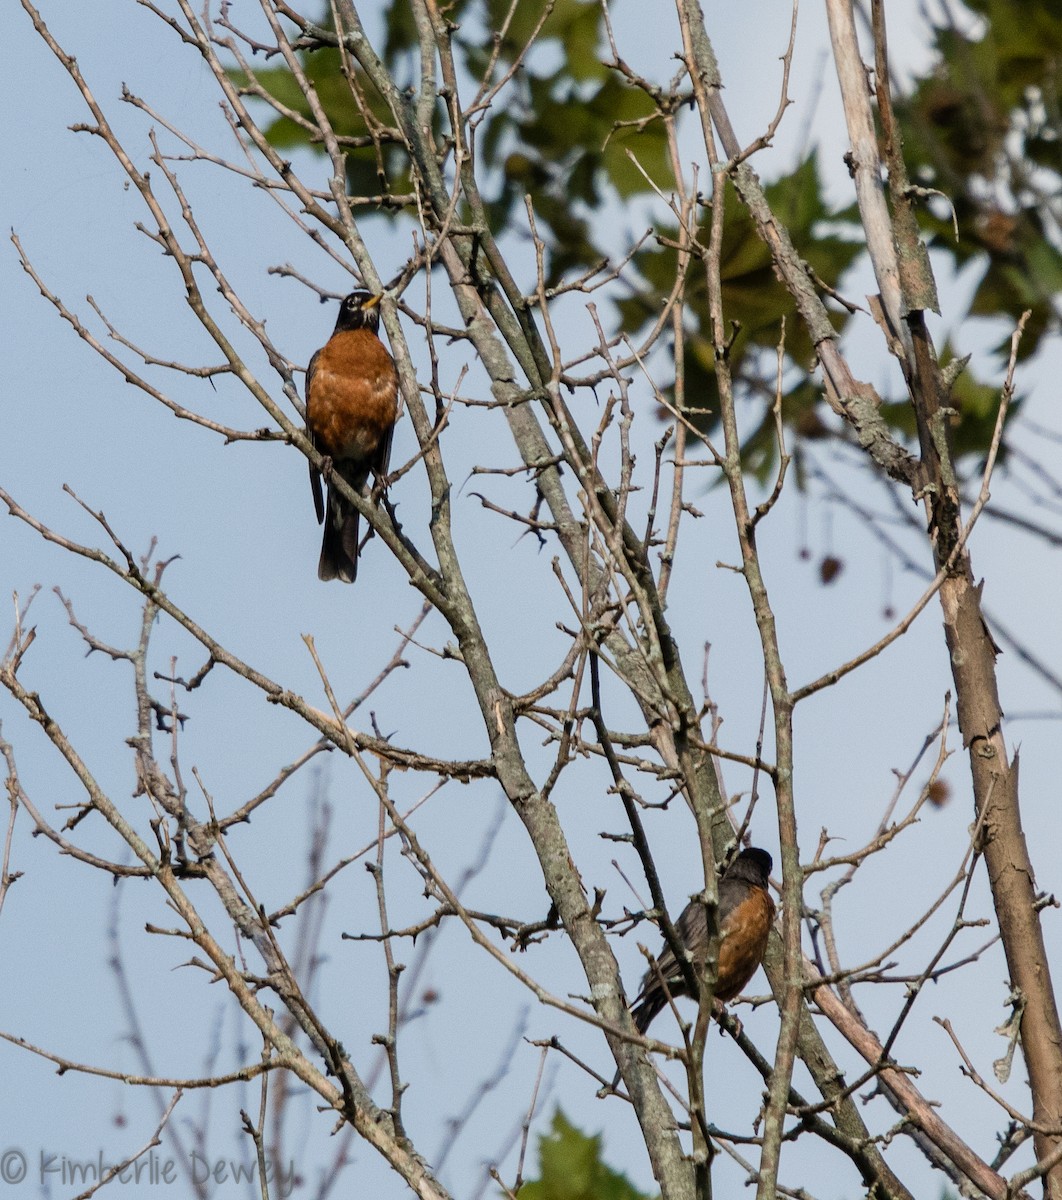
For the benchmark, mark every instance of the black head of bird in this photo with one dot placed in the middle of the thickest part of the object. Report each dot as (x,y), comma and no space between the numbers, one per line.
(359,310)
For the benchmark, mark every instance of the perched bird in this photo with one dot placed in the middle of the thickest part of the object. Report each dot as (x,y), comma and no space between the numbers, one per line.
(351,409)
(746,912)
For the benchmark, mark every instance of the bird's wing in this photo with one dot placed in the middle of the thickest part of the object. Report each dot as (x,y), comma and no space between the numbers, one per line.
(315,475)
(310,371)
(690,926)
(318,493)
(731,894)
(382,455)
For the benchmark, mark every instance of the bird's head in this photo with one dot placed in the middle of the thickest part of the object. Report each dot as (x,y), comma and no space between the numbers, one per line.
(753,865)
(359,310)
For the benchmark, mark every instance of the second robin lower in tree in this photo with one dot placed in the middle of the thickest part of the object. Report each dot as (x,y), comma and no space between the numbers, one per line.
(351,409)
(746,913)
(745,916)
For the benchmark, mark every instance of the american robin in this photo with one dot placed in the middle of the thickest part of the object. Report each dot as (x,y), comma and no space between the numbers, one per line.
(746,912)
(351,409)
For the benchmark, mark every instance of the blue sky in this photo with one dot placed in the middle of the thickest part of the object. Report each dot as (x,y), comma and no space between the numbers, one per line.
(241,519)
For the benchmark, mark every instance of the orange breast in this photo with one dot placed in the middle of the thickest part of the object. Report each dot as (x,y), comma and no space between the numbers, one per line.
(352,396)
(745,932)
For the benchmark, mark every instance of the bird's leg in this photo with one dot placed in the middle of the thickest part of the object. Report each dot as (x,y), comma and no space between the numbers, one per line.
(327,468)
(727,1021)
(380,484)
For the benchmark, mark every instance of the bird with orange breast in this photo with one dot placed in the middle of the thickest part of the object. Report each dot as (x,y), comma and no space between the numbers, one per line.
(746,914)
(351,410)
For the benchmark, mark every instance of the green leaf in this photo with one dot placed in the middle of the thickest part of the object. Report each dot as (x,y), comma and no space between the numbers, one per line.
(753,299)
(571,1168)
(984,127)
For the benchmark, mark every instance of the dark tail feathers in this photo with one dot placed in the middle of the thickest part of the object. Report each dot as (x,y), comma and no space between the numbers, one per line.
(339,545)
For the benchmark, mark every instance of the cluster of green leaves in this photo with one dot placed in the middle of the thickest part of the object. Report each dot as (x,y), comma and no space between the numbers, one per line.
(376,166)
(584,143)
(757,304)
(570,1168)
(985,128)
(565,133)
(573,134)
